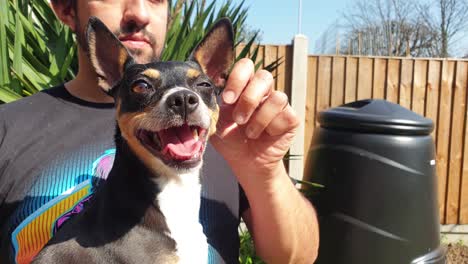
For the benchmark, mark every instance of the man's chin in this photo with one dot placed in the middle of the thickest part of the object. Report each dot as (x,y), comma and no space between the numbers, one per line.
(142,56)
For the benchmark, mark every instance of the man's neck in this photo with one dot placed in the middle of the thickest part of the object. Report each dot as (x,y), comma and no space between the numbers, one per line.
(85,85)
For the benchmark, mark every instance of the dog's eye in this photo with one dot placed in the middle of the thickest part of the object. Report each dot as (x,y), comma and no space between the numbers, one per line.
(204,85)
(141,87)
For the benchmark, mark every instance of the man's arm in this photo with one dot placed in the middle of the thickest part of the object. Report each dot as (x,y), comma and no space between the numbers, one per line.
(283,225)
(255,131)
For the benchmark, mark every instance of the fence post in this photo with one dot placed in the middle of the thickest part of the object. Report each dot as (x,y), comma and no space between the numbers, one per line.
(337,51)
(298,103)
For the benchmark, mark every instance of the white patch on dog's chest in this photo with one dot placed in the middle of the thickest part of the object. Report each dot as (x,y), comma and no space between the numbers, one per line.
(180,204)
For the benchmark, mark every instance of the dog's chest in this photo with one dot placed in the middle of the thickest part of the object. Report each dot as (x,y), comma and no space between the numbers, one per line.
(179,202)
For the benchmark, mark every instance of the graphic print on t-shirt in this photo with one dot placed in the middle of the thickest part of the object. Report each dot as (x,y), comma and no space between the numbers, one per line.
(31,235)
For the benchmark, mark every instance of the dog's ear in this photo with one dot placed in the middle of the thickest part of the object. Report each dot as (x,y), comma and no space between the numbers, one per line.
(108,55)
(215,53)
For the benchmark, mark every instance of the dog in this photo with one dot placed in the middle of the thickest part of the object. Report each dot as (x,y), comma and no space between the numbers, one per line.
(147,210)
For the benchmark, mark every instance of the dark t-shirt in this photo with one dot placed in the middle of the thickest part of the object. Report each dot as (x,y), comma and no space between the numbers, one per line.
(55,147)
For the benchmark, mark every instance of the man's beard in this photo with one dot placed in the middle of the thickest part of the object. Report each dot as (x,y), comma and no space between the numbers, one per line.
(126,30)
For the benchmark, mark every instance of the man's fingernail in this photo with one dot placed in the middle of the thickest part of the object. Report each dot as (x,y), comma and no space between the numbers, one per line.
(240,119)
(250,132)
(229,97)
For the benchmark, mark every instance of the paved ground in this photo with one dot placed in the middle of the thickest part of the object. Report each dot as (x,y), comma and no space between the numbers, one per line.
(457,254)
(456,239)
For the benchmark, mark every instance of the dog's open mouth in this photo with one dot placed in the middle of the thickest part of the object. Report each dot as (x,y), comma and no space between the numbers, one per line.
(175,144)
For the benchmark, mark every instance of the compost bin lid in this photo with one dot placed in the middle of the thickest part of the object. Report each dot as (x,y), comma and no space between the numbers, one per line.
(375,116)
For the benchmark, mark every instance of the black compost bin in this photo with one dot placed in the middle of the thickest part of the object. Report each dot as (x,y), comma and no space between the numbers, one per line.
(379,205)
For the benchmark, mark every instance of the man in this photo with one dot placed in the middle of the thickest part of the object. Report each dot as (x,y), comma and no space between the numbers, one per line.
(53,146)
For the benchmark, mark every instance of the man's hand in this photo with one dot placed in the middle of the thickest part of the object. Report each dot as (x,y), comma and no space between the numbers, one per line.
(256,124)
(255,130)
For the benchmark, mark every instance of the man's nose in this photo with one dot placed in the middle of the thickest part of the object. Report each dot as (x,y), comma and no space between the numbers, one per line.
(136,12)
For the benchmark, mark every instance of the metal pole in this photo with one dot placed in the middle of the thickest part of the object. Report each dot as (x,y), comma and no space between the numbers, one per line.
(299,22)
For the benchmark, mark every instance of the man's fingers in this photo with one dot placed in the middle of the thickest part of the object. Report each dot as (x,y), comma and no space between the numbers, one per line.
(225,121)
(285,121)
(268,111)
(239,78)
(255,93)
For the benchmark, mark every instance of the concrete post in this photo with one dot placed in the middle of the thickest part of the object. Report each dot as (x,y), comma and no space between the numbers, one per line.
(298,103)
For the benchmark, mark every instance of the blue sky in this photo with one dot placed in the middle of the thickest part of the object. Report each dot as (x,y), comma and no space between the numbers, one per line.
(278,20)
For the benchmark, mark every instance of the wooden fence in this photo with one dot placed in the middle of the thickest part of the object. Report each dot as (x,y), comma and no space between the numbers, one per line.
(435,88)
(271,53)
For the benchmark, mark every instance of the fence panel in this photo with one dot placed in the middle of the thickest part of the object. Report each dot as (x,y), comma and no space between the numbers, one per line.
(406,83)
(419,86)
(351,80)
(364,86)
(337,90)
(270,56)
(456,143)
(443,136)
(380,72)
(324,83)
(433,92)
(464,173)
(393,80)
(310,119)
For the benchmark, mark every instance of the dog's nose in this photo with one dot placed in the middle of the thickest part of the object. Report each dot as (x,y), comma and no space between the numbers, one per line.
(182,102)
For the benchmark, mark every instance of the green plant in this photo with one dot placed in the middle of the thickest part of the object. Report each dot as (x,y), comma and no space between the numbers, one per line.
(309,189)
(247,251)
(37,51)
(190,21)
(460,242)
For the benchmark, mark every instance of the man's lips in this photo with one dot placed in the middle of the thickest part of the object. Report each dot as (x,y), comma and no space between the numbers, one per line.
(135,42)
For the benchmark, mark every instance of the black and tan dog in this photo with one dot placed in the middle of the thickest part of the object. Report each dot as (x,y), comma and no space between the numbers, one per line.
(147,211)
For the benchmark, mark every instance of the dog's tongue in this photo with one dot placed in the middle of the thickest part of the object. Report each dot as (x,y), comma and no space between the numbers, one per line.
(179,143)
